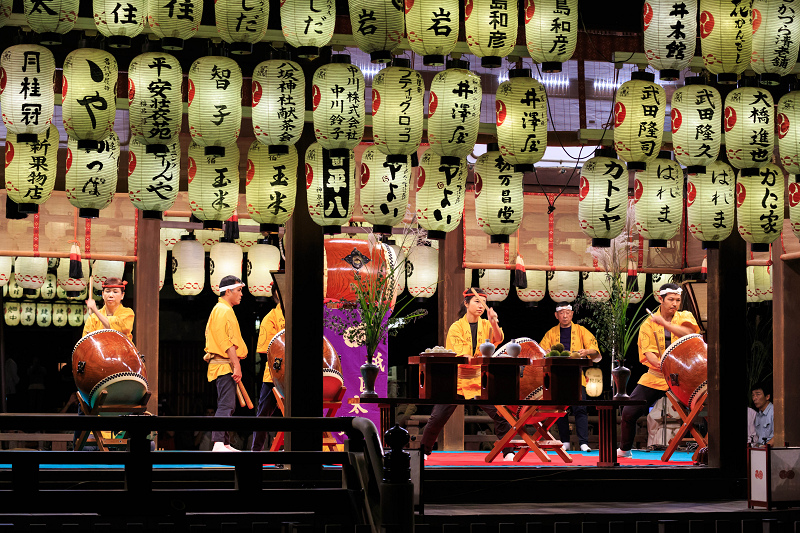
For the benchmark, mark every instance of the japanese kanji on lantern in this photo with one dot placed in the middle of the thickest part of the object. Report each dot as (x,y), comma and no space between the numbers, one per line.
(48,291)
(378,27)
(308,25)
(262,260)
(271,186)
(27,313)
(658,200)
(92,175)
(440,194)
(397,110)
(454,112)
(330,187)
(776,39)
(174,22)
(72,286)
(120,21)
(14,288)
(749,129)
(498,195)
(536,289)
(153,178)
(59,315)
(788,118)
(44,312)
(188,266)
(11,313)
(639,120)
(563,286)
(710,204)
(726,38)
(551,31)
(279,103)
(31,170)
(422,271)
(26,90)
(496,282)
(241,23)
(338,104)
(89,96)
(521,118)
(596,286)
(225,259)
(670,33)
(603,198)
(759,206)
(51,18)
(432,28)
(696,134)
(213,185)
(154,99)
(491,29)
(215,116)
(794,208)
(384,189)
(29,273)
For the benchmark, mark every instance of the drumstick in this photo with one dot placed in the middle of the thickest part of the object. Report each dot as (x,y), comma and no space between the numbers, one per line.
(243,392)
(239,395)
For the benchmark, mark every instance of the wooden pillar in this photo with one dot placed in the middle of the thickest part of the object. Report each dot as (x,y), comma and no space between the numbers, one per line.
(785,339)
(145,302)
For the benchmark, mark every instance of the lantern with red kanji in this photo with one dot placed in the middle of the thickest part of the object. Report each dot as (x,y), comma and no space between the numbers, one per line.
(749,128)
(639,120)
(695,119)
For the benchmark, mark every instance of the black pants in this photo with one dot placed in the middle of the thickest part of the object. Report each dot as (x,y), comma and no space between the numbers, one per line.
(630,414)
(266,407)
(226,404)
(441,414)
(581,422)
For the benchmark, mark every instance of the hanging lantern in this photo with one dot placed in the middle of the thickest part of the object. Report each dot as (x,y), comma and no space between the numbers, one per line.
(400,271)
(498,195)
(213,185)
(153,178)
(467,278)
(397,110)
(103,270)
(749,129)
(279,103)
(30,273)
(5,11)
(262,259)
(226,260)
(248,239)
(759,206)
(241,23)
(456,94)
(537,287)
(27,313)
(207,238)
(75,315)
(776,39)
(670,32)
(551,31)
(696,135)
(495,282)
(162,264)
(11,313)
(794,212)
(72,286)
(763,278)
(639,120)
(48,291)
(710,204)
(422,269)
(51,19)
(384,189)
(636,287)
(440,194)
(331,187)
(308,25)
(172,23)
(31,170)
(432,28)
(89,96)
(378,27)
(521,117)
(726,38)
(603,198)
(154,100)
(338,95)
(27,71)
(44,314)
(658,200)
(271,186)
(216,118)
(594,382)
(5,269)
(188,266)
(92,175)
(596,286)
(59,315)
(788,118)
(15,290)
(120,21)
(563,286)
(491,29)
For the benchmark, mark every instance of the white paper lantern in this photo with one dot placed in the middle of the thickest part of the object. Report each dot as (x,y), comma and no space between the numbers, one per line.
(5,269)
(89,95)
(15,290)
(27,313)
(279,103)
(749,127)
(498,195)
(603,198)
(51,18)
(440,194)
(27,72)
(153,178)
(338,103)
(103,270)
(262,259)
(174,22)
(213,185)
(422,270)
(207,238)
(48,290)
(92,175)
(271,186)
(759,284)
(636,291)
(241,23)
(759,206)
(11,313)
(247,239)
(491,29)
(331,187)
(726,37)
(658,201)
(188,266)
(710,204)
(308,25)
(162,264)
(639,120)
(384,189)
(776,39)
(670,33)
(794,211)
(226,260)
(216,117)
(788,118)
(563,286)
(72,286)
(30,273)
(551,31)
(120,21)
(596,286)
(495,282)
(60,315)
(75,314)
(536,289)
(696,132)
(378,27)
(454,111)
(31,170)
(521,118)
(154,99)
(44,314)
(397,110)
(432,28)
(400,271)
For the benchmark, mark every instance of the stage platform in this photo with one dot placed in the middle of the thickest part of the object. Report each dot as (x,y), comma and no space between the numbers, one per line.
(579,460)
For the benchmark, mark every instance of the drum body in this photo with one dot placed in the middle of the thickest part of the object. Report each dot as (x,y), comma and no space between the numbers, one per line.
(332,380)
(107,360)
(344,258)
(685,367)
(531,384)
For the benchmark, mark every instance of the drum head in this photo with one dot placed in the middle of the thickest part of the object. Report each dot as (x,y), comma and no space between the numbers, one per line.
(125,388)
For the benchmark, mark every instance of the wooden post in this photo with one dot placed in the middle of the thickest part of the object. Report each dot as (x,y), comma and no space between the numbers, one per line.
(785,339)
(146,302)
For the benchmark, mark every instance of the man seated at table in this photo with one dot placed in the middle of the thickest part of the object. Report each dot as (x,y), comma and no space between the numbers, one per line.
(763,430)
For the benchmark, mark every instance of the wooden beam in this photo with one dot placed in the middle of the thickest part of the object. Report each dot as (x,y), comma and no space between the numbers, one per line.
(146,301)
(785,339)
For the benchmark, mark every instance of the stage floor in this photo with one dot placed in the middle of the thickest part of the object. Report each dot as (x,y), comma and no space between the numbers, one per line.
(580,459)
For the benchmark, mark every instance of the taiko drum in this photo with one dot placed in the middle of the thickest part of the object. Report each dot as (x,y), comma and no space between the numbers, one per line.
(332,380)
(344,258)
(531,384)
(685,367)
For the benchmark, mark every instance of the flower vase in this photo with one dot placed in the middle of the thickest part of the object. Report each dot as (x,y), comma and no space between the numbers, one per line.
(620,375)
(369,373)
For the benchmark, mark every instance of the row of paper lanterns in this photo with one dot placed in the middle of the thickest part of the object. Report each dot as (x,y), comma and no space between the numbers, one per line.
(44,314)
(33,277)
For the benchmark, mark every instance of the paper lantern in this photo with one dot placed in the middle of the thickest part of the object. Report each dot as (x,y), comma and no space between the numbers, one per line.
(262,259)
(495,282)
(5,269)
(726,38)
(31,170)
(48,290)
(397,110)
(603,198)
(749,127)
(11,313)
(639,120)
(454,111)
(400,270)
(596,286)
(162,264)
(384,189)
(794,211)
(759,206)
(696,133)
(422,271)
(498,195)
(563,286)
(670,33)
(225,260)
(75,314)
(248,239)
(241,23)
(536,289)
(103,270)
(710,204)
(59,315)
(521,118)
(216,118)
(213,185)
(154,99)
(331,187)
(44,314)
(440,194)
(279,103)
(92,175)
(51,18)
(378,27)
(271,186)
(5,11)
(120,21)
(763,279)
(432,28)
(30,273)
(72,286)
(207,238)
(27,72)
(658,200)
(551,31)
(776,39)
(338,102)
(153,178)
(594,382)
(27,313)
(308,25)
(491,29)
(15,290)
(188,266)
(89,96)
(173,22)
(788,118)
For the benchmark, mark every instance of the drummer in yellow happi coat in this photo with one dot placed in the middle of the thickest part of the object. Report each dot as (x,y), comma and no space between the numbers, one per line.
(113,315)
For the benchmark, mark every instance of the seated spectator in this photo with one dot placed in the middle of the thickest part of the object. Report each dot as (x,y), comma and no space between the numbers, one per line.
(763,424)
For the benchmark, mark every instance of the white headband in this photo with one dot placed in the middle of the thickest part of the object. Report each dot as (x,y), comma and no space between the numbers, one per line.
(229,287)
(664,292)
(564,308)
